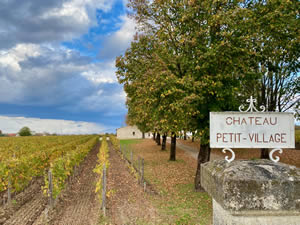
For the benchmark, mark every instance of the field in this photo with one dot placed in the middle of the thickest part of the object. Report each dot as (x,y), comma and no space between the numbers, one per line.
(171,200)
(76,164)
(176,200)
(26,157)
(25,165)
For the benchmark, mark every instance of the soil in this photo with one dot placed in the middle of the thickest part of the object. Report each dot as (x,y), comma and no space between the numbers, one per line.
(78,203)
(128,203)
(25,207)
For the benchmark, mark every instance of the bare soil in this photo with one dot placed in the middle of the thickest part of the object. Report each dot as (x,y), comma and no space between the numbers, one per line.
(78,203)
(128,203)
(25,207)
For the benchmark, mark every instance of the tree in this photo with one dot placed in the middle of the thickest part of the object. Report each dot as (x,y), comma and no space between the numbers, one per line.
(154,94)
(193,57)
(25,131)
(274,28)
(193,67)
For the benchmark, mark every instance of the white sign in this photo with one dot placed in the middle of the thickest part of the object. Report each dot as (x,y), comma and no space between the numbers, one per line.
(252,130)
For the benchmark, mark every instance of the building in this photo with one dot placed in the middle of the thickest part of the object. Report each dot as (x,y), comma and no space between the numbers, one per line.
(131,132)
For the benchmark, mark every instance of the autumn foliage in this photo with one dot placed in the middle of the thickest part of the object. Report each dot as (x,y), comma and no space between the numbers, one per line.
(191,57)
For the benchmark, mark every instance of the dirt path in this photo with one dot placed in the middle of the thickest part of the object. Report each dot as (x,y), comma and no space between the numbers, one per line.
(128,203)
(79,204)
(192,151)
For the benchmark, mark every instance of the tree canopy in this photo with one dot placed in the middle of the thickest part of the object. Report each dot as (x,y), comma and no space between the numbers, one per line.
(25,131)
(191,57)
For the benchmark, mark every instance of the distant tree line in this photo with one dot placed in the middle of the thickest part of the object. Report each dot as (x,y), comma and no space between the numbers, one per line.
(191,57)
(25,131)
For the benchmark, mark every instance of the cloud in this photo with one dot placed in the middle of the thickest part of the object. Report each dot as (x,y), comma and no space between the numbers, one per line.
(40,21)
(110,101)
(32,74)
(116,43)
(14,124)
(38,70)
(102,72)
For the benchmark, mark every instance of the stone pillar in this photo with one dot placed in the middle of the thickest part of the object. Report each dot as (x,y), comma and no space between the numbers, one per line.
(253,192)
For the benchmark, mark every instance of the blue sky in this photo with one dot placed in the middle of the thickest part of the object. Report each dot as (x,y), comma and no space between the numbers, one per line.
(57,65)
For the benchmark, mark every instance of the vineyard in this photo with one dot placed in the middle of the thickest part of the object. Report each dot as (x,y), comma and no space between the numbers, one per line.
(24,158)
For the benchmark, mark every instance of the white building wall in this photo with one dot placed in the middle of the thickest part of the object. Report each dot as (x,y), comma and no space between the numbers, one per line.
(131,132)
(148,135)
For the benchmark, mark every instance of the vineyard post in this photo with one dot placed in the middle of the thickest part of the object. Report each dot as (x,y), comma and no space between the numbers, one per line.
(9,192)
(50,188)
(139,167)
(104,190)
(142,176)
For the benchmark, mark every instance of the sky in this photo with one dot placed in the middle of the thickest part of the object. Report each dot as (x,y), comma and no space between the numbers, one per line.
(57,65)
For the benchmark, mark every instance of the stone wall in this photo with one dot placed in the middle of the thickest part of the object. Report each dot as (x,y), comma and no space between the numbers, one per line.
(253,192)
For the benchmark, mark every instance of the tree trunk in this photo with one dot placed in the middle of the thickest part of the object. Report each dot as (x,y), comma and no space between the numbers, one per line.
(173,147)
(193,136)
(158,138)
(203,157)
(154,136)
(264,153)
(184,136)
(143,135)
(164,142)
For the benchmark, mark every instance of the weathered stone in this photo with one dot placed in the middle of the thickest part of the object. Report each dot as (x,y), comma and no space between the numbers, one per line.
(224,217)
(253,186)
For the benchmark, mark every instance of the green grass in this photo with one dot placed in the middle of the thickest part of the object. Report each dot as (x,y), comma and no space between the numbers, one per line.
(125,143)
(177,201)
(189,206)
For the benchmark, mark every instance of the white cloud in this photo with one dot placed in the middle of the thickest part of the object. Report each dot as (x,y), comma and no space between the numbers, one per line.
(35,70)
(119,41)
(11,59)
(101,73)
(38,75)
(14,124)
(47,21)
(112,99)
